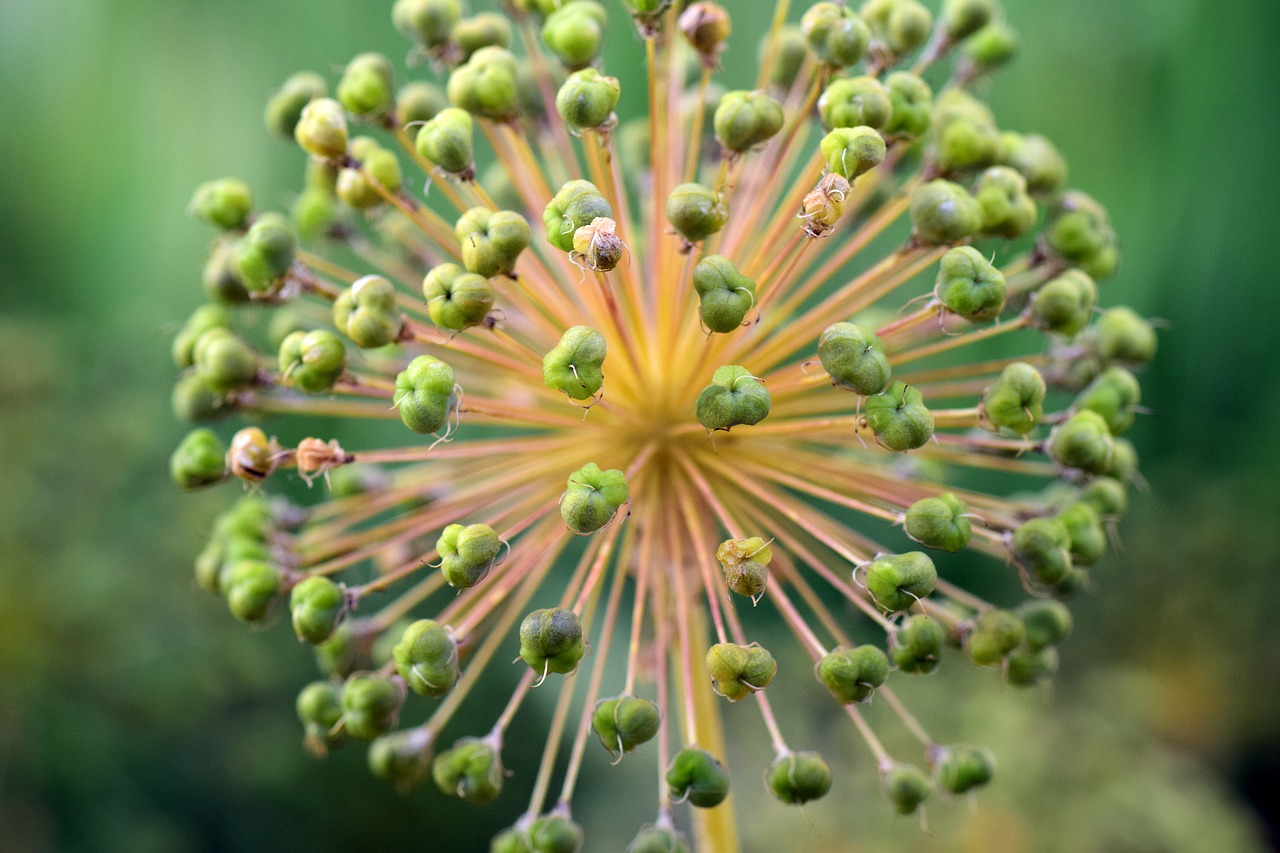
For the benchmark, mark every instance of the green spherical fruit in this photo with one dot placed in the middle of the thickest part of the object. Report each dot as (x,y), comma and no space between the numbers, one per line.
(575,32)
(312,361)
(790,49)
(486,29)
(658,839)
(799,777)
(365,88)
(1064,305)
(697,776)
(852,151)
(200,460)
(1007,209)
(266,251)
(992,46)
(939,522)
(317,605)
(744,120)
(837,36)
(370,705)
(1082,441)
(745,563)
(592,497)
(555,833)
(854,358)
(552,641)
(402,758)
(426,657)
(321,130)
(725,295)
(574,365)
(962,18)
(959,769)
(1036,159)
(1043,546)
(486,85)
(906,787)
(897,581)
(457,299)
(587,99)
(943,213)
(467,553)
(733,398)
(447,140)
(223,362)
(319,708)
(696,212)
(284,108)
(1123,335)
(1015,401)
(225,203)
(426,394)
(852,675)
(1047,622)
(899,418)
(251,588)
(624,722)
(855,102)
(1077,229)
(471,769)
(367,312)
(428,22)
(970,285)
(916,647)
(576,205)
(994,635)
(203,319)
(738,671)
(418,102)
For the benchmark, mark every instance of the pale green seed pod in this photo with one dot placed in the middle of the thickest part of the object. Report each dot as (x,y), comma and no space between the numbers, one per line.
(225,203)
(733,398)
(970,285)
(1114,394)
(899,418)
(744,120)
(1107,495)
(943,212)
(854,358)
(799,777)
(906,787)
(355,186)
(316,605)
(592,497)
(791,48)
(962,768)
(1077,230)
(855,102)
(587,99)
(912,102)
(1064,304)
(992,46)
(284,108)
(994,634)
(447,140)
(467,553)
(426,657)
(367,312)
(625,722)
(200,460)
(574,365)
(939,522)
(1025,668)
(696,212)
(1007,209)
(1123,335)
(552,641)
(852,151)
(486,85)
(835,34)
(510,840)
(725,295)
(426,394)
(457,299)
(745,563)
(1043,547)
(470,769)
(1082,441)
(1047,622)
(223,362)
(252,588)
(897,581)
(962,18)
(427,22)
(203,319)
(916,647)
(402,758)
(699,777)
(658,839)
(555,833)
(738,671)
(266,252)
(314,214)
(319,708)
(312,361)
(1015,401)
(365,89)
(370,705)
(576,205)
(321,130)
(221,278)
(965,135)
(1084,529)
(575,32)
(852,675)
(1124,461)
(486,29)
(1036,159)
(418,101)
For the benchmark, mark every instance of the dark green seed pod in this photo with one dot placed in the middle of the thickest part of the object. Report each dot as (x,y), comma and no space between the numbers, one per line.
(1107,495)
(457,299)
(624,722)
(706,26)
(906,787)
(365,89)
(939,522)
(221,278)
(592,497)
(855,102)
(319,708)
(897,581)
(575,32)
(854,358)
(994,634)
(799,777)
(1048,622)
(916,647)
(312,361)
(970,285)
(370,705)
(419,102)
(447,140)
(837,36)
(745,564)
(1114,394)
(426,394)
(251,588)
(223,361)
(744,120)
(587,99)
(726,295)
(696,212)
(486,29)
(402,758)
(486,85)
(284,108)
(1064,305)
(426,657)
(1015,401)
(341,656)
(1124,336)
(1084,527)
(203,319)
(552,641)
(912,102)
(962,18)
(225,203)
(943,213)
(1043,546)
(321,130)
(555,833)
(471,769)
(367,312)
(1077,229)
(1026,668)
(852,675)
(427,22)
(791,48)
(696,775)
(961,768)
(733,398)
(266,251)
(852,151)
(1007,209)
(1082,442)
(574,365)
(317,605)
(577,204)
(200,460)
(467,553)
(992,46)
(899,418)
(738,671)
(1036,159)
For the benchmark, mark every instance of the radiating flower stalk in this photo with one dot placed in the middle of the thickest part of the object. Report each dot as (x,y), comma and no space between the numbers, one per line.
(673,400)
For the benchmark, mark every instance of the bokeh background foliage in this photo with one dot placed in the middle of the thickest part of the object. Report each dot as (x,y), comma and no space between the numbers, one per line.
(134,715)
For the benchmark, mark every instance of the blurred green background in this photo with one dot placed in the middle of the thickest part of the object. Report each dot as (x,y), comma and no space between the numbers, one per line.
(135,715)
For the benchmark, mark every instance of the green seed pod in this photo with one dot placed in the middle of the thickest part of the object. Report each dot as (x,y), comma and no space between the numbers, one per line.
(962,18)
(851,675)
(419,102)
(994,635)
(317,605)
(1084,527)
(1107,495)
(697,775)
(965,135)
(745,564)
(696,212)
(624,722)
(456,299)
(225,203)
(428,22)
(939,522)
(221,278)
(365,88)
(342,655)
(855,102)
(1026,668)
(970,285)
(916,647)
(402,758)
(852,151)
(552,641)
(223,362)
(1064,305)
(471,769)
(555,833)
(912,102)
(319,708)
(426,394)
(312,361)
(791,48)
(658,839)
(266,252)
(577,204)
(200,460)
(799,777)
(1015,401)
(1113,394)
(738,671)
(1083,442)
(203,319)
(943,213)
(1043,546)
(992,46)
(734,397)
(1124,336)
(511,840)
(592,497)
(1007,209)
(1048,622)
(1124,460)
(897,581)
(355,187)
(587,99)
(899,418)
(284,108)
(486,85)
(837,36)
(1036,158)
(744,120)
(486,29)
(854,358)
(961,768)
(906,787)
(314,214)
(575,32)
(370,705)
(321,130)
(467,553)
(574,365)
(251,588)
(726,295)
(446,140)
(426,657)
(367,312)
(1078,230)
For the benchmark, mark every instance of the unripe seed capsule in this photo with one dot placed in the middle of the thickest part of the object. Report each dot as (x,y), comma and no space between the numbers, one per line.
(961,768)
(939,522)
(486,85)
(943,213)
(321,130)
(587,99)
(1083,442)
(592,497)
(574,365)
(365,88)
(854,358)
(1015,401)
(555,833)
(799,777)
(367,312)
(457,299)
(575,32)
(225,203)
(426,394)
(916,647)
(224,362)
(744,120)
(912,102)
(486,29)
(285,107)
(696,212)
(906,787)
(1064,305)
(624,722)
(733,398)
(745,563)
(725,295)
(1047,622)
(446,140)
(852,151)
(1124,336)
(402,758)
(970,285)
(855,102)
(897,581)
(899,418)
(266,251)
(851,675)
(994,635)
(577,204)
(426,657)
(696,775)
(1043,546)
(471,769)
(467,553)
(738,671)
(428,22)
(200,460)
(552,641)
(312,361)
